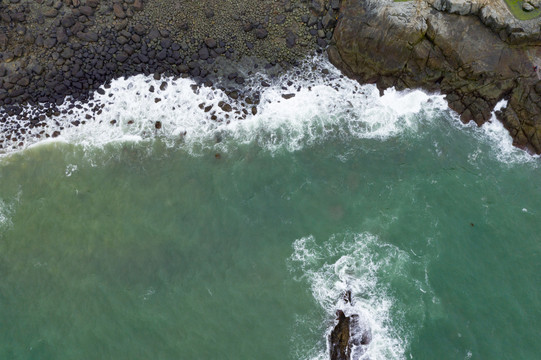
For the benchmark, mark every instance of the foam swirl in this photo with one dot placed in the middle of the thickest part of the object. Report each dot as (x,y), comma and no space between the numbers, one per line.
(363,265)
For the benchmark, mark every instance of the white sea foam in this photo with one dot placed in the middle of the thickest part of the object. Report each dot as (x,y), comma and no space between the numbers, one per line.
(70,169)
(498,138)
(323,106)
(365,266)
(5,216)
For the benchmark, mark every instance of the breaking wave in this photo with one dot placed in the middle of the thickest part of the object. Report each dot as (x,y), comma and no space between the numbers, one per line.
(295,110)
(303,107)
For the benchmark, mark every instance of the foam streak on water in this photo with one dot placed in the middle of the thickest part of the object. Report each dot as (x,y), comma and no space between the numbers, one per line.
(7,208)
(4,215)
(355,262)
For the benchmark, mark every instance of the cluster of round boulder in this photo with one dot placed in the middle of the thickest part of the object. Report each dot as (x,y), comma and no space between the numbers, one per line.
(54,51)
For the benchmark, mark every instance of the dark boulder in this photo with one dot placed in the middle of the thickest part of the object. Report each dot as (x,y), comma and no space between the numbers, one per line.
(335,4)
(280,19)
(24,81)
(291,39)
(138,5)
(312,20)
(122,56)
(318,7)
(154,34)
(322,43)
(50,13)
(121,40)
(4,17)
(139,29)
(93,3)
(87,36)
(211,43)
(261,33)
(36,69)
(203,53)
(77,27)
(61,35)
(19,17)
(118,10)
(49,42)
(3,41)
(161,55)
(86,10)
(67,53)
(225,106)
(329,20)
(166,43)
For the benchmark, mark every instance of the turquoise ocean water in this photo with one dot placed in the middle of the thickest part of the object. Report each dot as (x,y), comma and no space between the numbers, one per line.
(204,241)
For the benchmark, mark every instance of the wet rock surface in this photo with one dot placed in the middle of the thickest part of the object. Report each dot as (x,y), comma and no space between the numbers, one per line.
(339,338)
(349,337)
(476,53)
(52,52)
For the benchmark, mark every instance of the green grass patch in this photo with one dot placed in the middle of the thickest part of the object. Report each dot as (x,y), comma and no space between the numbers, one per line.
(515,6)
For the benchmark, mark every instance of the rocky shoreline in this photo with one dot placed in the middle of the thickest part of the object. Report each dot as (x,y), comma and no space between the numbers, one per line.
(473,51)
(55,52)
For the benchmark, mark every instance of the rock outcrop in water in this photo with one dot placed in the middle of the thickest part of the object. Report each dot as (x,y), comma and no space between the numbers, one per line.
(349,337)
(475,52)
(339,338)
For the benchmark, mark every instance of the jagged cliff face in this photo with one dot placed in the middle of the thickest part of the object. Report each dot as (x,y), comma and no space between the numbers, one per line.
(475,52)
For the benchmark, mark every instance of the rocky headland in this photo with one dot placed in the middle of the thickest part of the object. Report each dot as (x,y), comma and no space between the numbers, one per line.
(473,51)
